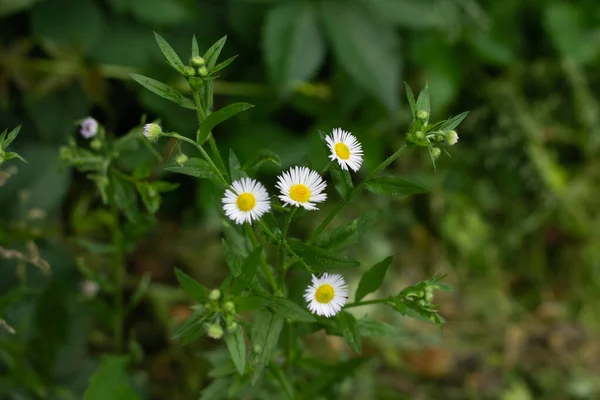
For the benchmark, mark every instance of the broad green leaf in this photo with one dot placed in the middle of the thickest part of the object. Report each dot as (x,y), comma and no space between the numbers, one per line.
(263,156)
(163,90)
(266,330)
(217,117)
(195,50)
(233,259)
(235,168)
(212,54)
(11,136)
(198,168)
(366,47)
(170,54)
(194,289)
(110,380)
(453,122)
(287,308)
(394,186)
(423,101)
(372,279)
(345,235)
(349,328)
(222,65)
(249,271)
(411,100)
(292,44)
(321,258)
(237,349)
(372,328)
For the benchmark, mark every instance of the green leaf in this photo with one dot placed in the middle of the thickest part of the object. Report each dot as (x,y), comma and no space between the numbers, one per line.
(198,168)
(453,122)
(12,135)
(423,101)
(125,197)
(149,195)
(286,308)
(170,54)
(194,289)
(11,155)
(233,259)
(332,375)
(372,328)
(345,235)
(237,348)
(222,65)
(372,279)
(212,54)
(263,156)
(292,44)
(366,47)
(163,90)
(341,180)
(349,328)
(247,277)
(321,258)
(266,330)
(141,289)
(394,186)
(217,117)
(110,380)
(192,328)
(195,50)
(411,100)
(281,378)
(235,168)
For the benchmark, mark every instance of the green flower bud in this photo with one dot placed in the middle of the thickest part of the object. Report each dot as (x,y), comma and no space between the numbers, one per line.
(214,331)
(202,71)
(440,138)
(214,295)
(451,138)
(197,62)
(422,303)
(419,135)
(189,71)
(436,152)
(232,326)
(229,307)
(429,297)
(96,144)
(257,348)
(152,132)
(181,159)
(422,114)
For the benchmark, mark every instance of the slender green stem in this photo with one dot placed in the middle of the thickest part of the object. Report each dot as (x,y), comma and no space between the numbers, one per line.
(263,262)
(199,109)
(202,114)
(267,230)
(283,246)
(315,235)
(365,303)
(215,150)
(119,278)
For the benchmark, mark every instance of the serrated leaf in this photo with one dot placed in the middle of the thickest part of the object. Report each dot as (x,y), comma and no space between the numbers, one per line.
(411,100)
(163,90)
(237,349)
(222,65)
(266,330)
(198,168)
(349,328)
(394,186)
(423,101)
(212,54)
(366,47)
(372,279)
(217,117)
(292,44)
(170,54)
(235,168)
(287,308)
(195,49)
(110,380)
(194,289)
(321,258)
(453,122)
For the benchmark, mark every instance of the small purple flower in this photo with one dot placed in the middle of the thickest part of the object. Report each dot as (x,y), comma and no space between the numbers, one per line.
(89,127)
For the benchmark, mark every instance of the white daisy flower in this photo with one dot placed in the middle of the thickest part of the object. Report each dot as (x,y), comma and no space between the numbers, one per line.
(152,131)
(245,201)
(327,294)
(89,127)
(345,149)
(301,187)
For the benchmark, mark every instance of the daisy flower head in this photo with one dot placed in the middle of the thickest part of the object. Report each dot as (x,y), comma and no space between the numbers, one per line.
(89,128)
(301,187)
(246,201)
(345,149)
(327,294)
(152,131)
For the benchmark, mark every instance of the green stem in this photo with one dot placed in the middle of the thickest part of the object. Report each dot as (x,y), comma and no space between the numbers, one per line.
(365,303)
(282,248)
(263,262)
(213,147)
(315,235)
(119,278)
(202,114)
(268,231)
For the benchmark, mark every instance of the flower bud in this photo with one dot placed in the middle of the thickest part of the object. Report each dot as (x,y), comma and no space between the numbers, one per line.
(451,138)
(89,128)
(436,152)
(229,307)
(189,71)
(214,295)
(422,114)
(89,288)
(197,62)
(429,297)
(181,159)
(96,144)
(232,326)
(257,348)
(202,71)
(152,132)
(419,134)
(214,331)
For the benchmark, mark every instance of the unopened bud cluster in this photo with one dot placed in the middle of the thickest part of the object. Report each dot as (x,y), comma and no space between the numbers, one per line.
(197,67)
(222,314)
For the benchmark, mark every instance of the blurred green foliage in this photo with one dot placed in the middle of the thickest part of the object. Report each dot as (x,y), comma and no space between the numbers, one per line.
(513,217)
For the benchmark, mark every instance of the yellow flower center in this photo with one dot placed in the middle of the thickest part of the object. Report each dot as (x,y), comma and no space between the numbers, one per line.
(246,201)
(300,192)
(324,294)
(342,151)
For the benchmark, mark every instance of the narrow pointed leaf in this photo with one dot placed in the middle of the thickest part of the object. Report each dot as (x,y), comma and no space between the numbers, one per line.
(286,308)
(453,122)
(233,259)
(195,50)
(372,279)
(11,136)
(212,54)
(423,101)
(11,155)
(321,258)
(411,100)
(170,54)
(237,349)
(266,330)
(163,90)
(349,328)
(198,168)
(222,65)
(194,289)
(235,168)
(392,185)
(217,117)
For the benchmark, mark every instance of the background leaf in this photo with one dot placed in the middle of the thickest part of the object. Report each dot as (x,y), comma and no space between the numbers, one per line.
(110,381)
(394,186)
(372,279)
